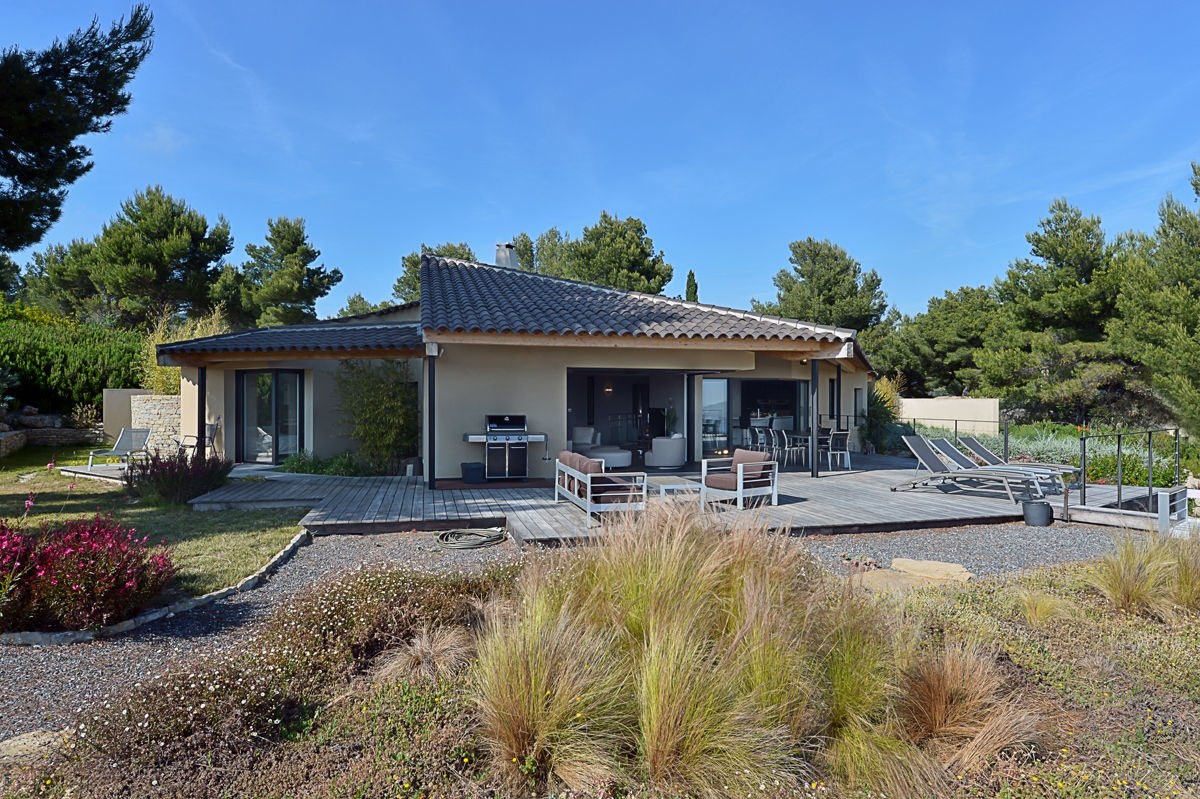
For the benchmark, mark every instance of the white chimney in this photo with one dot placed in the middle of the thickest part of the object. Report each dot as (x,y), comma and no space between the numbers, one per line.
(506,255)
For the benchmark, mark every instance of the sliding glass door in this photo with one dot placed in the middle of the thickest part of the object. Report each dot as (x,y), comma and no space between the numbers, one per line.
(270,406)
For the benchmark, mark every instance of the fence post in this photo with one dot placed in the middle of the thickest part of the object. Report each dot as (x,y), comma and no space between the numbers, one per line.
(1083,469)
(1006,441)
(1164,512)
(955,431)
(1120,469)
(1149,466)
(1177,456)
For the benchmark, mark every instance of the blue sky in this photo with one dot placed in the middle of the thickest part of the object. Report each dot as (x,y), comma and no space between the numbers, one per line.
(926,139)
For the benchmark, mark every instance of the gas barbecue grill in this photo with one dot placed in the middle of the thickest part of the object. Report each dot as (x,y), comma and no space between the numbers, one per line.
(506,442)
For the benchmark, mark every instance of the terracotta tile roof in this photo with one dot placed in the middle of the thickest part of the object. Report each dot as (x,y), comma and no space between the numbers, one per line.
(330,336)
(462,296)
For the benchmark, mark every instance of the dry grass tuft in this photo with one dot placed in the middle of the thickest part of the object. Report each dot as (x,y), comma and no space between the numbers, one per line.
(1185,582)
(956,706)
(431,654)
(1136,576)
(552,699)
(1039,607)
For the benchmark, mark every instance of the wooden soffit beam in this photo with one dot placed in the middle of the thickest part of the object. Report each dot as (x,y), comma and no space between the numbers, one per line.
(207,358)
(800,349)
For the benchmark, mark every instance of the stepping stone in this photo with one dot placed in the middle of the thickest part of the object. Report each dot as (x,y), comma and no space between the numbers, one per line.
(932,569)
(906,573)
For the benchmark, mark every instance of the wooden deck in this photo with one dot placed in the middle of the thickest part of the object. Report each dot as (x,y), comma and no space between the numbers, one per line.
(858,500)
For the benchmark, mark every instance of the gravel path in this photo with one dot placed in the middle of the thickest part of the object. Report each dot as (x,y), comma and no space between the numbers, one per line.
(982,549)
(40,687)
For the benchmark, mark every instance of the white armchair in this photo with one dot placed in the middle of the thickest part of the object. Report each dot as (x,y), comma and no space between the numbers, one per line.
(667,453)
(585,438)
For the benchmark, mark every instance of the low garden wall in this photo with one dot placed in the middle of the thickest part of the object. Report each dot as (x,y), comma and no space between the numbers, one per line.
(161,414)
(11,442)
(45,437)
(974,414)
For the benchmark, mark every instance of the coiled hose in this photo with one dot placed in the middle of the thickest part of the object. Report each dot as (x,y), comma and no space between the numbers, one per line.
(472,539)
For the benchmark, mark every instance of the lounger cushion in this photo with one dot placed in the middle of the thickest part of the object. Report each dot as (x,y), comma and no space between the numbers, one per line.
(728,482)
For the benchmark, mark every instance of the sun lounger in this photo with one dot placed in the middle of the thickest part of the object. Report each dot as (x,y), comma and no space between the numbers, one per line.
(940,473)
(131,441)
(956,460)
(992,459)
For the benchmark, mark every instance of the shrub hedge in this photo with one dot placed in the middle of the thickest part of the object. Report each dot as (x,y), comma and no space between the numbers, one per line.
(61,366)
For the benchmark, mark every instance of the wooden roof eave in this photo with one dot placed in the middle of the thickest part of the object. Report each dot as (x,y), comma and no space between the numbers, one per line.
(799,349)
(223,357)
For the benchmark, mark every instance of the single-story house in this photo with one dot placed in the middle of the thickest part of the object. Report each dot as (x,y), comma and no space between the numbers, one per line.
(618,366)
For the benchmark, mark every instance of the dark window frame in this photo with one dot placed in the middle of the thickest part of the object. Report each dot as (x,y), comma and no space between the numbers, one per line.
(239,382)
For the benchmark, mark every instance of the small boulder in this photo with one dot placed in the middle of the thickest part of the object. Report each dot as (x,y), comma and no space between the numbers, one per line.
(41,420)
(28,410)
(5,428)
(28,749)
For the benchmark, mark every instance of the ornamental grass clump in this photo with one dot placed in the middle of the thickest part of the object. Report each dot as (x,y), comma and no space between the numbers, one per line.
(728,663)
(178,476)
(86,573)
(1136,576)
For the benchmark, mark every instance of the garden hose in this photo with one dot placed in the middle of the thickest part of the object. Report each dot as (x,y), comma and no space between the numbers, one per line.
(472,539)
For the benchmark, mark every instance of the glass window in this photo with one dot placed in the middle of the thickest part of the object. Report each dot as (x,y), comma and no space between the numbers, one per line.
(270,407)
(714,420)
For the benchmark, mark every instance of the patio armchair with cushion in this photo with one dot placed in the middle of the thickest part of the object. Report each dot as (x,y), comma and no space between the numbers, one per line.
(747,474)
(667,452)
(940,473)
(582,480)
(131,441)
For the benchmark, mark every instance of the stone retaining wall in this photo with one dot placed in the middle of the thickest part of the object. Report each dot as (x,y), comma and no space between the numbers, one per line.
(45,437)
(59,437)
(161,414)
(11,442)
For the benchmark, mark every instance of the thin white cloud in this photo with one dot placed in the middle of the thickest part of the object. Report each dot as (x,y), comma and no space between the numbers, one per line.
(163,138)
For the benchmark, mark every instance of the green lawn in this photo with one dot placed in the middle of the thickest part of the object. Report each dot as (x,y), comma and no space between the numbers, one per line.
(213,549)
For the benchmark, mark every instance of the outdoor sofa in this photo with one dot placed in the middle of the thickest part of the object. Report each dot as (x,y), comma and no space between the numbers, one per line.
(747,474)
(582,480)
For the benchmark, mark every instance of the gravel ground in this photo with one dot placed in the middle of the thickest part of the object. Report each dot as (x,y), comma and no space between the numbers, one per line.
(40,687)
(982,549)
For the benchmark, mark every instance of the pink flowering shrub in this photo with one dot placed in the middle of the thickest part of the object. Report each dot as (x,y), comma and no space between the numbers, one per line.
(86,573)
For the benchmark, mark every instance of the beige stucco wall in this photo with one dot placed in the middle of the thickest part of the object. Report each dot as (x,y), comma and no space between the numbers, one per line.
(973,414)
(324,431)
(474,380)
(116,410)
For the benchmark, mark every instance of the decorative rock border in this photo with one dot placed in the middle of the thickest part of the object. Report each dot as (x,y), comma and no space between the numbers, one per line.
(181,606)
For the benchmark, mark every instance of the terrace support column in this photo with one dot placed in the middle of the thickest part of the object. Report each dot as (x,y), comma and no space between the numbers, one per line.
(431,414)
(202,443)
(814,411)
(837,411)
